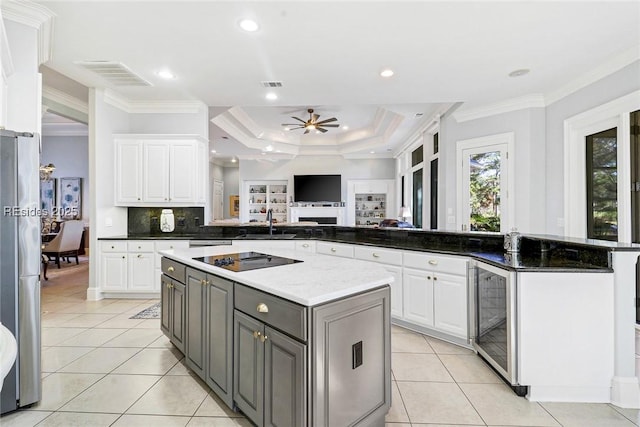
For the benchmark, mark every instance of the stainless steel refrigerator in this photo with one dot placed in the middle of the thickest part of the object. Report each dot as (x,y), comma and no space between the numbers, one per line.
(20,264)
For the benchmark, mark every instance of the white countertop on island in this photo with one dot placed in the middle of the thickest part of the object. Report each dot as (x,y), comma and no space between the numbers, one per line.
(316,280)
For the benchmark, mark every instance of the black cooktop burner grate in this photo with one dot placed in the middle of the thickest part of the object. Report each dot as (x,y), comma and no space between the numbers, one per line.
(245,261)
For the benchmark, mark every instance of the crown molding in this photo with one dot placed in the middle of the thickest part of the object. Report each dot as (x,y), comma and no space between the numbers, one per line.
(429,124)
(115,99)
(616,63)
(33,15)
(64,129)
(501,107)
(63,98)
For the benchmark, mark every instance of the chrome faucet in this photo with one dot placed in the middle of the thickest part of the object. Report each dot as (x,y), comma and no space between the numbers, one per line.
(270,219)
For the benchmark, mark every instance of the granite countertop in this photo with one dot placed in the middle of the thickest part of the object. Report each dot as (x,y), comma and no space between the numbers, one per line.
(542,263)
(167,236)
(316,280)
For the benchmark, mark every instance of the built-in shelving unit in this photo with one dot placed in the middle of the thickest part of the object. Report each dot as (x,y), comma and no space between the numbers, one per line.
(370,208)
(264,195)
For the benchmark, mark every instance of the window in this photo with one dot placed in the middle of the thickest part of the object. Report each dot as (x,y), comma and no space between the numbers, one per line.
(433,195)
(416,156)
(635,176)
(436,143)
(417,198)
(602,185)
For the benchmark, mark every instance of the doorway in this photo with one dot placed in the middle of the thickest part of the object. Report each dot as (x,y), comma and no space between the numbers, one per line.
(218,199)
(484,181)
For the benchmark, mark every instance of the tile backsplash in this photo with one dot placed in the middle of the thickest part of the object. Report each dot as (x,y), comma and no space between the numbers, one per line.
(146,221)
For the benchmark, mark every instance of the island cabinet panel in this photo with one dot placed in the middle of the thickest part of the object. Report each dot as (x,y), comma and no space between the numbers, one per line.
(351,364)
(173,309)
(285,383)
(248,371)
(209,328)
(219,327)
(196,318)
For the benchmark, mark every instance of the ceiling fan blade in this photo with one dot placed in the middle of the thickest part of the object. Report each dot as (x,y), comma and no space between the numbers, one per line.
(298,119)
(306,132)
(315,117)
(328,125)
(321,129)
(291,124)
(332,119)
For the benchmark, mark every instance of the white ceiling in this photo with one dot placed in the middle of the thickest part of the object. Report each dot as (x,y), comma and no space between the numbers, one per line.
(329,54)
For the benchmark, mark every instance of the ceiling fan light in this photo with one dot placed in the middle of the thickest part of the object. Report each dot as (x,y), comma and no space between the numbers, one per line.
(249,25)
(310,126)
(386,72)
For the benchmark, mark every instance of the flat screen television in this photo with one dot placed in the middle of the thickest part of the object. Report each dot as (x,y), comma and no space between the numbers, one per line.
(317,188)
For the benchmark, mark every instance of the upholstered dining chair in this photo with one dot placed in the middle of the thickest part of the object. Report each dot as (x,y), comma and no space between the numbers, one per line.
(66,243)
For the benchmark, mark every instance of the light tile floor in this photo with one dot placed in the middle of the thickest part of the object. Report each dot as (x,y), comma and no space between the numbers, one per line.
(101,368)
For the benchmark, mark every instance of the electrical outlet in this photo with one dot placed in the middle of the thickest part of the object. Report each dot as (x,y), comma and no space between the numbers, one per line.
(181,221)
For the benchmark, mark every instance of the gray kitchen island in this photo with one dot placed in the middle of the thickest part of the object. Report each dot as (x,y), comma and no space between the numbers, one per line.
(289,338)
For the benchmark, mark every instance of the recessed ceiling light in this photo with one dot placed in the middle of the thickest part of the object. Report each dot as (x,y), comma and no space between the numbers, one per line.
(372,152)
(249,25)
(386,72)
(166,74)
(345,127)
(268,148)
(520,72)
(233,160)
(213,151)
(278,151)
(271,96)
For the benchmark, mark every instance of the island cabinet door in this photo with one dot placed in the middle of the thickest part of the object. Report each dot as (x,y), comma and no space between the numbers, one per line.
(285,385)
(219,367)
(248,367)
(165,305)
(178,307)
(196,316)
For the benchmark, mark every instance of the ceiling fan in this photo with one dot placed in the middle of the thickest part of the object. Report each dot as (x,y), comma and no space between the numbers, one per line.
(313,123)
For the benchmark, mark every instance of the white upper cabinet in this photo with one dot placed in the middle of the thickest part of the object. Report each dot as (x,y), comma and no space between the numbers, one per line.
(160,170)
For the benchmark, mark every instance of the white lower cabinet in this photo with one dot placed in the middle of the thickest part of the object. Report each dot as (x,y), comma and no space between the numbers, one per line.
(391,260)
(132,266)
(435,292)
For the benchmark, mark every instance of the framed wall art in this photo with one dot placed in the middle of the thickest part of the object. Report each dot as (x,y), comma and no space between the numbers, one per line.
(234,206)
(47,196)
(70,198)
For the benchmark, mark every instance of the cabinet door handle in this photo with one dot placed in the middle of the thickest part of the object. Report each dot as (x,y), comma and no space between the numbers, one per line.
(428,277)
(305,245)
(169,285)
(435,278)
(113,247)
(433,262)
(139,247)
(138,198)
(171,269)
(262,308)
(203,282)
(139,255)
(263,338)
(333,249)
(256,334)
(123,257)
(375,255)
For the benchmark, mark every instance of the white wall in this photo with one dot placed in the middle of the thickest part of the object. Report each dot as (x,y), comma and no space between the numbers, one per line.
(70,155)
(312,165)
(604,90)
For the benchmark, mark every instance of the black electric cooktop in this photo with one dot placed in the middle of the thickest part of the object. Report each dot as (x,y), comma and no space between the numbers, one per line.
(245,261)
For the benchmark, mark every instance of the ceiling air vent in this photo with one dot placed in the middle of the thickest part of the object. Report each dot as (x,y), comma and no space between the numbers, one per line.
(115,73)
(273,83)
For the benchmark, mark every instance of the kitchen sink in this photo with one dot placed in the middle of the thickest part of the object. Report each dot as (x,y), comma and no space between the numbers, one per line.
(266,236)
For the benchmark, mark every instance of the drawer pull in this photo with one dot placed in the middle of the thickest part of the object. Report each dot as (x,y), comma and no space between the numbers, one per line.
(171,269)
(428,277)
(435,278)
(263,338)
(256,334)
(333,249)
(139,255)
(139,247)
(169,286)
(375,255)
(170,247)
(433,262)
(203,282)
(262,308)
(123,256)
(305,245)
